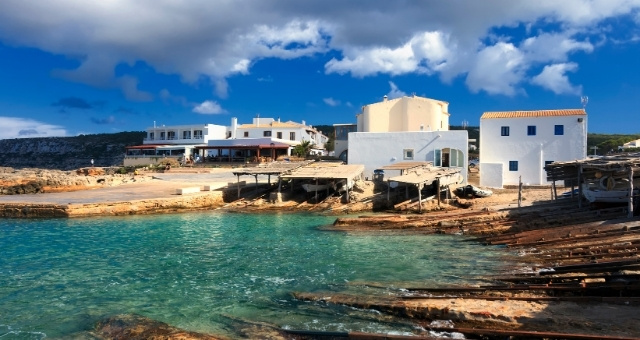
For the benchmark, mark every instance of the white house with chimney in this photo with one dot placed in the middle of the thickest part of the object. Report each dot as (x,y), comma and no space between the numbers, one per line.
(408,128)
(517,145)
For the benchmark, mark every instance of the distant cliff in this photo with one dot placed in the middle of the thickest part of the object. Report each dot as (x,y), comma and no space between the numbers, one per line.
(66,153)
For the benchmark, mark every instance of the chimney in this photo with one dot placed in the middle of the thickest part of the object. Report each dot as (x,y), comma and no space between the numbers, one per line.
(234,127)
(385,98)
(304,123)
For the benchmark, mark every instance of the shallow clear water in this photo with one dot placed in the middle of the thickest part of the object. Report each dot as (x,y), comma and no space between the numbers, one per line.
(198,270)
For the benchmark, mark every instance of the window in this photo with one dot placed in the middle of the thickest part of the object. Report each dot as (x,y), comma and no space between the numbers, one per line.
(151,136)
(279,135)
(437,157)
(531,130)
(292,136)
(504,131)
(197,134)
(408,154)
(558,130)
(513,165)
(186,134)
(266,133)
(246,133)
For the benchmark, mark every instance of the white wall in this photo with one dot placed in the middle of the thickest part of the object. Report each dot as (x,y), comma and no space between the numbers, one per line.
(376,149)
(531,152)
(491,175)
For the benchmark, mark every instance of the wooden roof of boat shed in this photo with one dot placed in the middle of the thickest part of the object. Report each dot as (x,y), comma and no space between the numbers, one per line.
(406,165)
(426,175)
(616,163)
(325,170)
(272,168)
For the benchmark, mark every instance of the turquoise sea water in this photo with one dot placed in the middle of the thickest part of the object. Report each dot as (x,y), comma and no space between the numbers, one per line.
(198,270)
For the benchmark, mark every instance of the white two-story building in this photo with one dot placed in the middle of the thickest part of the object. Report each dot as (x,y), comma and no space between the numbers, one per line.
(285,132)
(518,144)
(264,136)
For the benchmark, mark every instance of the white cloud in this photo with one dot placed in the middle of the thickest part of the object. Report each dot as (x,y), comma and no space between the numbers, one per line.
(498,70)
(331,102)
(553,77)
(217,40)
(208,107)
(14,127)
(395,92)
(423,53)
(552,47)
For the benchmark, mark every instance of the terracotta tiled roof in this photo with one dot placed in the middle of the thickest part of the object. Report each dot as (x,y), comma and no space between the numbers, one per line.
(530,114)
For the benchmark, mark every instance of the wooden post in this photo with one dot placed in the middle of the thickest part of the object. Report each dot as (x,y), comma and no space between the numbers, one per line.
(519,191)
(555,191)
(388,189)
(256,176)
(406,192)
(580,185)
(630,215)
(316,197)
(438,190)
(279,184)
(419,198)
(269,179)
(347,186)
(238,186)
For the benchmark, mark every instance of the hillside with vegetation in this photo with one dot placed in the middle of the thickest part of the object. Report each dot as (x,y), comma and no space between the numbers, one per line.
(66,153)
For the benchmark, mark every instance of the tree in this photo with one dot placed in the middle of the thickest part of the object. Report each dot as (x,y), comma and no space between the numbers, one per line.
(303,149)
(330,145)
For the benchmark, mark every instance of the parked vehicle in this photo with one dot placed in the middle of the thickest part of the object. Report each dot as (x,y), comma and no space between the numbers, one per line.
(474,163)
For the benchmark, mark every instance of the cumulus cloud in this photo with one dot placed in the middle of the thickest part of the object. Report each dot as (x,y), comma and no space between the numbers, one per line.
(395,91)
(497,70)
(208,107)
(331,102)
(553,77)
(14,127)
(219,40)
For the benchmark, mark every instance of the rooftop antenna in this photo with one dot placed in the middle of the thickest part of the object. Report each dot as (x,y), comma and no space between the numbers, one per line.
(584,100)
(465,123)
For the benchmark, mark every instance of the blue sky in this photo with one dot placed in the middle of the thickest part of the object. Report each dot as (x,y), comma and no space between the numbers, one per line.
(70,67)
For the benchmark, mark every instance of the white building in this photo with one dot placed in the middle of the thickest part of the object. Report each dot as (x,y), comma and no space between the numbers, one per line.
(407,128)
(184,134)
(279,131)
(178,141)
(520,143)
(630,145)
(377,149)
(341,141)
(404,114)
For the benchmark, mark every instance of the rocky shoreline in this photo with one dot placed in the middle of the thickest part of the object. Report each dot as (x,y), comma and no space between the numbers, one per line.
(593,252)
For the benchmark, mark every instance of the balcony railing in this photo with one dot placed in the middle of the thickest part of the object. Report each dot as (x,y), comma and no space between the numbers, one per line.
(195,138)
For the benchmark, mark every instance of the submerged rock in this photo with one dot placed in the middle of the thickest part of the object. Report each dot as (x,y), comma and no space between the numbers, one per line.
(136,327)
